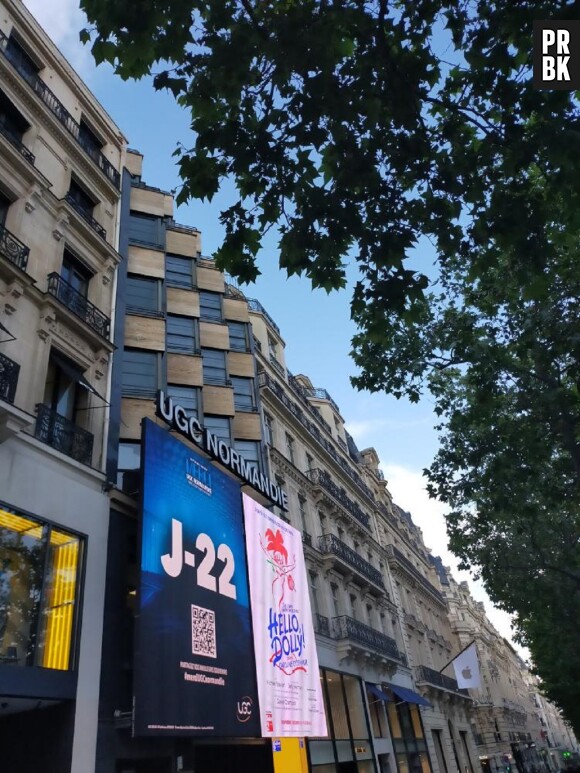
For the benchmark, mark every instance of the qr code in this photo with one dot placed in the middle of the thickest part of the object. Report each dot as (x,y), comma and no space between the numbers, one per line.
(203,632)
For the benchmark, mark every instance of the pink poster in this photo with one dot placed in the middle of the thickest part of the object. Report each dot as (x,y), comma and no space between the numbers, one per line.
(286,661)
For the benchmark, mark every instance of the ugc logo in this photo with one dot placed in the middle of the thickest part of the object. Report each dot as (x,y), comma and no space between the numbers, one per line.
(244,709)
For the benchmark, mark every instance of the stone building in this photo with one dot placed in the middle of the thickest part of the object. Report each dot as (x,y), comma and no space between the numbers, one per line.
(60,162)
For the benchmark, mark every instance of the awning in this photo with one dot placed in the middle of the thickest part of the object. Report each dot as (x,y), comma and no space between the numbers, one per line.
(409,696)
(74,373)
(382,696)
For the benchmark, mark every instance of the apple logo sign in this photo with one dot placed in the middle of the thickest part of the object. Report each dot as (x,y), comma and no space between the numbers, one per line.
(466,673)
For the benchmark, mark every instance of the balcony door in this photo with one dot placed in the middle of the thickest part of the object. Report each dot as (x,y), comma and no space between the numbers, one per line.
(61,391)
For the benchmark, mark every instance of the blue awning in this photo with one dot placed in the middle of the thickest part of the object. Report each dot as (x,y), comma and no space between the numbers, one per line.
(409,696)
(382,696)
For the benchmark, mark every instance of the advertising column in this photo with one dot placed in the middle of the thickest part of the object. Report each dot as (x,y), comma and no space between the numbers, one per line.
(194,660)
(286,661)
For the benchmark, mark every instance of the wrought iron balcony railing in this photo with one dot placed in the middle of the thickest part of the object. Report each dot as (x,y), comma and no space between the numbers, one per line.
(345,627)
(255,305)
(15,140)
(329,543)
(277,365)
(395,554)
(435,678)
(78,304)
(9,371)
(63,435)
(321,624)
(322,394)
(59,110)
(13,249)
(86,215)
(323,479)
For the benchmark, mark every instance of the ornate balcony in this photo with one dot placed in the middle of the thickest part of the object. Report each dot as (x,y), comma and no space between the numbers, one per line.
(60,433)
(321,624)
(426,675)
(12,249)
(15,140)
(78,304)
(335,547)
(9,371)
(322,479)
(414,622)
(364,637)
(85,215)
(395,556)
(58,110)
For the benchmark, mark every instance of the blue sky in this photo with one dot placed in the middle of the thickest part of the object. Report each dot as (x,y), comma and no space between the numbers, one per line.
(316,326)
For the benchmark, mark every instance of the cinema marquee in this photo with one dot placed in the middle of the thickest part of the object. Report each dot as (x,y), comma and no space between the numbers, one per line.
(193,430)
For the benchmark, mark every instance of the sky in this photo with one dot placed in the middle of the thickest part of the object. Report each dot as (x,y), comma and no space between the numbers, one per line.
(316,327)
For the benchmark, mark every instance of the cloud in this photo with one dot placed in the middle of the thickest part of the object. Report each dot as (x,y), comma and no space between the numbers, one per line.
(62,21)
(408,490)
(360,429)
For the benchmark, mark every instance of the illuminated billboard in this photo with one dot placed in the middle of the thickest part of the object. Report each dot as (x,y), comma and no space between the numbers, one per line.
(194,660)
(291,701)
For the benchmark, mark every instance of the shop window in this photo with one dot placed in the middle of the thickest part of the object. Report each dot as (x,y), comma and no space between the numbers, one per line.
(40,566)
(210,306)
(140,373)
(408,738)
(179,271)
(143,295)
(238,336)
(181,334)
(244,399)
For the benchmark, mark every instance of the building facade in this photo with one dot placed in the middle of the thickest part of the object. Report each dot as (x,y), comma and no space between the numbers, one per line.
(60,162)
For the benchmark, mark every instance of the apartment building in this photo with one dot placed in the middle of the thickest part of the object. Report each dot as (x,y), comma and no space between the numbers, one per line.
(60,162)
(509,721)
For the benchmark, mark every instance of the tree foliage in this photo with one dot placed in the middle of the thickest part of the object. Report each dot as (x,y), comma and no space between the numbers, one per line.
(357,129)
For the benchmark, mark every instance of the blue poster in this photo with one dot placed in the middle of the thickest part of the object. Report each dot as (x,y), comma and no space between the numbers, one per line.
(194,659)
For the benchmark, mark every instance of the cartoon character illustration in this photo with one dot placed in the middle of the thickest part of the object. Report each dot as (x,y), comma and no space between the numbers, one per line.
(277,557)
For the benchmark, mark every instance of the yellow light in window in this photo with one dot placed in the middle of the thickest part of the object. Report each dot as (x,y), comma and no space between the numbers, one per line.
(64,555)
(19,524)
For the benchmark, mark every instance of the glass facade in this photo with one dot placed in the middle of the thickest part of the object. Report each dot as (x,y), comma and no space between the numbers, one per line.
(39,581)
(408,738)
(349,749)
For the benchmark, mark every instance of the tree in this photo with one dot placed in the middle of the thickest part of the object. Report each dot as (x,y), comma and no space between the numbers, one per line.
(356,129)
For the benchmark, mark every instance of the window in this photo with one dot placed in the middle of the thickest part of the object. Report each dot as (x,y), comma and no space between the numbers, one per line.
(243,394)
(146,229)
(309,462)
(290,447)
(75,274)
(21,59)
(140,373)
(128,468)
(214,367)
(61,391)
(238,336)
(179,271)
(187,397)
(80,199)
(218,426)
(181,334)
(303,514)
(142,295)
(4,206)
(314,592)
(12,124)
(250,451)
(88,139)
(268,429)
(271,347)
(210,306)
(40,568)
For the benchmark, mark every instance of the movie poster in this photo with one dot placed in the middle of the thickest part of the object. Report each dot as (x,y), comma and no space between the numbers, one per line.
(286,661)
(194,660)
